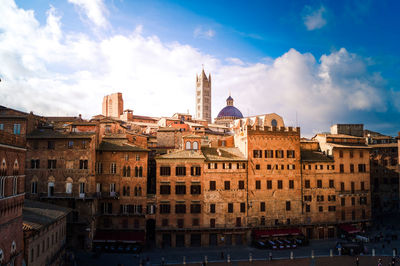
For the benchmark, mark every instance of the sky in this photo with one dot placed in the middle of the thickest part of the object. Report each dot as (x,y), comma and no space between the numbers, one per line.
(315,63)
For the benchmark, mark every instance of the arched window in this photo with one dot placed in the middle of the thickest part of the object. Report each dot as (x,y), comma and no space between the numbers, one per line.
(13,247)
(123,191)
(34,184)
(68,185)
(136,191)
(140,191)
(124,171)
(3,168)
(136,171)
(195,145)
(128,171)
(274,123)
(50,189)
(16,167)
(128,191)
(188,145)
(140,171)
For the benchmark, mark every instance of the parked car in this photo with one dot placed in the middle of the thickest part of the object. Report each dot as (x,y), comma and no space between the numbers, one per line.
(271,244)
(279,244)
(259,244)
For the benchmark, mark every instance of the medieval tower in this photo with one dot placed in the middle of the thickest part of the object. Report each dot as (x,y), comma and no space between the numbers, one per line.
(203,96)
(113,105)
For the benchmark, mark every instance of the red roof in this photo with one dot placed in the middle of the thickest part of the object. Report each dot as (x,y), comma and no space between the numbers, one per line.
(277,232)
(119,236)
(349,228)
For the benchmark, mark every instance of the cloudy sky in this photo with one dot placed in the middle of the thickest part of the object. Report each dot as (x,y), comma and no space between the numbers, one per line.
(316,63)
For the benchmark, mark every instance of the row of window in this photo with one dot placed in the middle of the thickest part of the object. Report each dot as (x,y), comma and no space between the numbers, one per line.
(227,165)
(3,186)
(46,244)
(272,153)
(107,208)
(279,184)
(351,154)
(52,164)
(180,171)
(165,189)
(319,167)
(126,170)
(277,167)
(180,208)
(16,128)
(331,184)
(362,168)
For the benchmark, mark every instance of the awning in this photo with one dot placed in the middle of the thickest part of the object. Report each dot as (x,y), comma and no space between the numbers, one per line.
(119,236)
(277,232)
(349,228)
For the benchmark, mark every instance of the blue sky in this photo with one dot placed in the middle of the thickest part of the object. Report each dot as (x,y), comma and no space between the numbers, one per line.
(326,61)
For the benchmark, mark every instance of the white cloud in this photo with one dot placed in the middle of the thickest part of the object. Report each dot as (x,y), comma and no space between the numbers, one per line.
(199,32)
(53,72)
(94,10)
(313,19)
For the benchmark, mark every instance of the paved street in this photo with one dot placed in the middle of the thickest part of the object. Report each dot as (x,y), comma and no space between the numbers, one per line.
(242,253)
(239,255)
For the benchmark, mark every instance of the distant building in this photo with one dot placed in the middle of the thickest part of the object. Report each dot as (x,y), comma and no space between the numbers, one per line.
(45,233)
(113,105)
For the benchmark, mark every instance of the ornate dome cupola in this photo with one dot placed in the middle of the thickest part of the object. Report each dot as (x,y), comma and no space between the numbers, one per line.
(228,113)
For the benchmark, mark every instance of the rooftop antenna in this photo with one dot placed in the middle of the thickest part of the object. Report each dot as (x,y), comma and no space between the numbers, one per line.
(297,124)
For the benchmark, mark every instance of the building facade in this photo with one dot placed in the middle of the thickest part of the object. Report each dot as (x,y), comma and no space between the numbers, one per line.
(45,233)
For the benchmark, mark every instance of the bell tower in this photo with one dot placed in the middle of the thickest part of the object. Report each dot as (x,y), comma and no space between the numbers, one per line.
(203,96)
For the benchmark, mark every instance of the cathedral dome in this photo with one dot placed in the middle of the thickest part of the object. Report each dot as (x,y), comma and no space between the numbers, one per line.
(230,111)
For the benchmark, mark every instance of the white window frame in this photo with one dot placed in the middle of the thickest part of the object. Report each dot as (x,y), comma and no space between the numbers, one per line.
(68,188)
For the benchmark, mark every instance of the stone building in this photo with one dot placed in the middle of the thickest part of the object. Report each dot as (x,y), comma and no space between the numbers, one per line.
(45,233)
(274,183)
(203,97)
(14,126)
(61,170)
(352,177)
(12,164)
(198,202)
(384,173)
(121,188)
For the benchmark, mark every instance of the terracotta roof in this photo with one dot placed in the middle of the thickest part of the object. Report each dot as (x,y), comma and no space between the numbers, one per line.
(165,129)
(51,134)
(314,156)
(182,154)
(118,146)
(349,146)
(342,136)
(192,136)
(38,214)
(384,145)
(222,154)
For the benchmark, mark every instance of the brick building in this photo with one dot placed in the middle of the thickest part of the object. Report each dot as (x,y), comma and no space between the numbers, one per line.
(13,128)
(45,233)
(61,170)
(384,173)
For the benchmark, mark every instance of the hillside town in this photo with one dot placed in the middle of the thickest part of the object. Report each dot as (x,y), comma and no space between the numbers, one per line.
(120,181)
